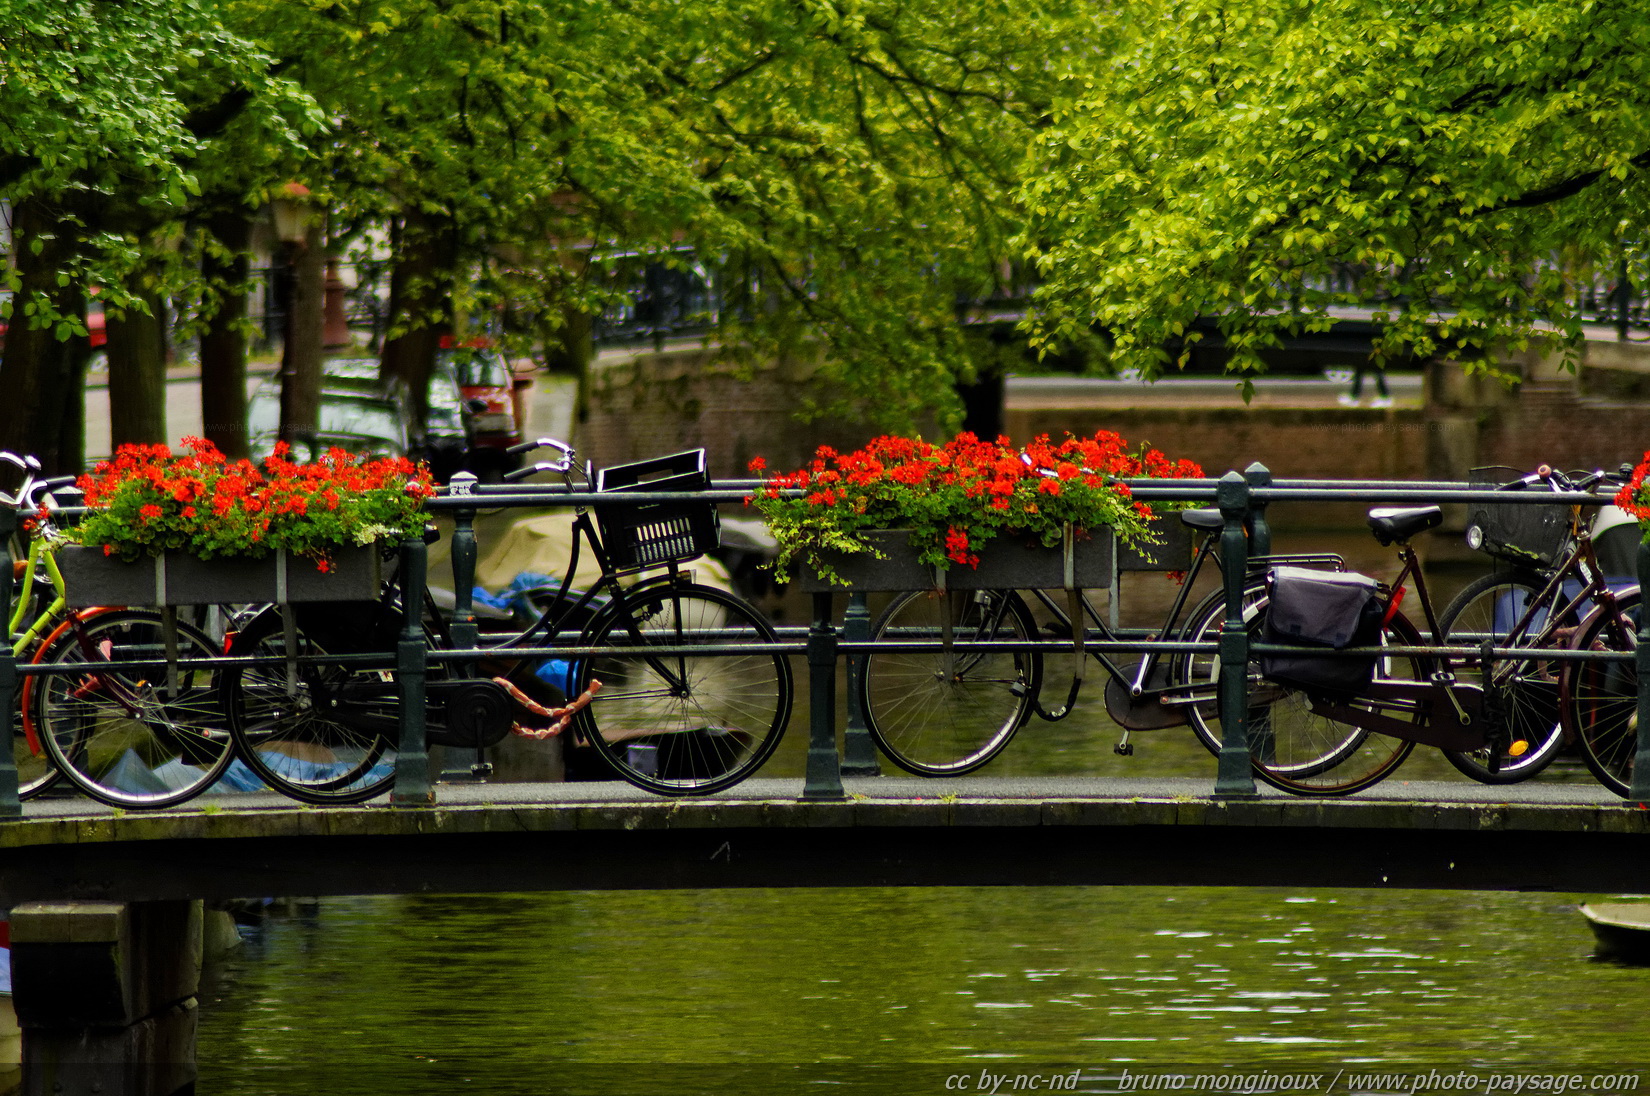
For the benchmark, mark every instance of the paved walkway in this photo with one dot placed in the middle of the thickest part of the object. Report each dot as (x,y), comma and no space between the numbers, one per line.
(973,789)
(1032,393)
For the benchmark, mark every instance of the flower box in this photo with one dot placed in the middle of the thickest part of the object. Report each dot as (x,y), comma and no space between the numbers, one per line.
(1005,563)
(173,578)
(972,504)
(1173,552)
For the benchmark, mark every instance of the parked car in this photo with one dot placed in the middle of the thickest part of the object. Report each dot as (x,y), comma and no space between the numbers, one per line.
(356,422)
(464,428)
(487,388)
(444,440)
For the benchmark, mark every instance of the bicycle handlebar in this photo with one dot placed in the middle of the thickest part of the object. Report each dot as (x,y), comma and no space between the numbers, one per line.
(25,490)
(1570,481)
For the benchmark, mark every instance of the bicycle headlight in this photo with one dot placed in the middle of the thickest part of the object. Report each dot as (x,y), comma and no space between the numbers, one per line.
(1475,537)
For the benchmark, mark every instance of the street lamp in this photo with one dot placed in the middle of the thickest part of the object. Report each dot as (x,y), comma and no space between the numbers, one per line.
(290,207)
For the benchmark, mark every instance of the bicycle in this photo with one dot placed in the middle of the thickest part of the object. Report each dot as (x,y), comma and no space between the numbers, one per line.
(664,685)
(1557,580)
(1415,696)
(949,712)
(125,731)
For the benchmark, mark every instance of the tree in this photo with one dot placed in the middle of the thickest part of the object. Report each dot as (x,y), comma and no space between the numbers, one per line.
(852,160)
(1258,164)
(104,111)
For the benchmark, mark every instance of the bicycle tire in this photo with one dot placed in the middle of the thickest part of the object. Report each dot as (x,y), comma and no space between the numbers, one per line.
(685,723)
(117,734)
(1529,698)
(35,770)
(295,740)
(1194,674)
(1599,700)
(938,714)
(1291,747)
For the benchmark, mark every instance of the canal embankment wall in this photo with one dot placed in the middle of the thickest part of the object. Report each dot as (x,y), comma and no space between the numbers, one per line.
(1442,423)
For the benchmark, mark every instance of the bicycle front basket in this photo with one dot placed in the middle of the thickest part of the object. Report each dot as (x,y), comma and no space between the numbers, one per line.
(650,534)
(1524,533)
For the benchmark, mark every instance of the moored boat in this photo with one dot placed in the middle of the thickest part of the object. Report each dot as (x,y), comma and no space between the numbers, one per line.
(1621,930)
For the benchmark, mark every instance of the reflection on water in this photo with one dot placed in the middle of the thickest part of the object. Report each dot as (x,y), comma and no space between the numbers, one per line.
(769,989)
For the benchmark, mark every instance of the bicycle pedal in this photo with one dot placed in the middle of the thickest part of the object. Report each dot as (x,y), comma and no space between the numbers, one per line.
(1123,749)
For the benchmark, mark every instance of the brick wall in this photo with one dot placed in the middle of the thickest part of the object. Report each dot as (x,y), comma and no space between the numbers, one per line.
(660,403)
(1329,443)
(687,399)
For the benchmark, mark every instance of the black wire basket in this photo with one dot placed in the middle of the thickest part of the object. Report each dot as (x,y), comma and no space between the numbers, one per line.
(1527,534)
(652,534)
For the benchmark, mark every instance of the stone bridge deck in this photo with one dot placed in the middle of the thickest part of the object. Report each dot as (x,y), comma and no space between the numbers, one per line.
(888,832)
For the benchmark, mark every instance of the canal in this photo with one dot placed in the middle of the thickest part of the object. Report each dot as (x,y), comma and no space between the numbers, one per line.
(873,991)
(934,990)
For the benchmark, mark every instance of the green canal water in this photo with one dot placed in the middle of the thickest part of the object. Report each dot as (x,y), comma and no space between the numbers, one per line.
(903,990)
(939,990)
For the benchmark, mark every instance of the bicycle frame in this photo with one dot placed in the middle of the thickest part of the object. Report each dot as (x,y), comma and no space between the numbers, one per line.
(1138,686)
(562,608)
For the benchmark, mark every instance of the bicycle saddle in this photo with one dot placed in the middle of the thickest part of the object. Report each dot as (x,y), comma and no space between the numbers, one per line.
(1206,518)
(1391,524)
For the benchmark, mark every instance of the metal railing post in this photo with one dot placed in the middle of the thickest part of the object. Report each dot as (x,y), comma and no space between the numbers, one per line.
(1260,533)
(10,806)
(412,761)
(1235,777)
(463,624)
(824,776)
(859,753)
(463,627)
(1638,790)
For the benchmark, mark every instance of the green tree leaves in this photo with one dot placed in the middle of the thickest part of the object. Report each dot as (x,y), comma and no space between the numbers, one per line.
(1264,165)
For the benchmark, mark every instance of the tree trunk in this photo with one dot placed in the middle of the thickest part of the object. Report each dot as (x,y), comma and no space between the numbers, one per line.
(223,343)
(420,303)
(302,353)
(137,375)
(570,351)
(43,412)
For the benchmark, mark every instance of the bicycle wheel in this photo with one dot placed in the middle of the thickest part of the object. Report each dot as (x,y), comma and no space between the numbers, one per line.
(1292,746)
(120,733)
(681,722)
(1527,691)
(35,771)
(330,735)
(1600,699)
(945,713)
(1195,675)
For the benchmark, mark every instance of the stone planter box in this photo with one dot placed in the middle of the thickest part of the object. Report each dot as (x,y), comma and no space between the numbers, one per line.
(1005,564)
(1174,553)
(92,578)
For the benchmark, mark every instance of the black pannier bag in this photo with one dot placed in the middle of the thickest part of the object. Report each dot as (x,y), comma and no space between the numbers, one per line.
(1333,609)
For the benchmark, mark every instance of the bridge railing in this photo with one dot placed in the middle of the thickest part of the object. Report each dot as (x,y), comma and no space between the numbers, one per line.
(1243,500)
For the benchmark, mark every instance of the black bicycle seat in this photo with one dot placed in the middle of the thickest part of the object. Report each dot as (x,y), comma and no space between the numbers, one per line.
(1398,523)
(1207,518)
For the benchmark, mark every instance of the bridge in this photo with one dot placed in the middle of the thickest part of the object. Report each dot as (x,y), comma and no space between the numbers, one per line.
(887,832)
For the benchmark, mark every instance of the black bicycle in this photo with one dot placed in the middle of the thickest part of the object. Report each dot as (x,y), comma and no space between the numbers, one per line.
(948,711)
(675,684)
